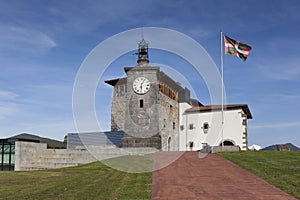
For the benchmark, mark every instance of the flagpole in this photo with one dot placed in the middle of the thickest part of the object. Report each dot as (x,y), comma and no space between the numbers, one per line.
(222,79)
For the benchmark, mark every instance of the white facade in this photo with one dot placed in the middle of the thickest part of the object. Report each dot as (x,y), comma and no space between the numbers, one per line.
(200,127)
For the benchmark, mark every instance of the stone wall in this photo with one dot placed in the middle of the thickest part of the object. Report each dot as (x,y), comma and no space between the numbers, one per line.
(216,149)
(169,123)
(26,151)
(142,122)
(118,108)
(35,156)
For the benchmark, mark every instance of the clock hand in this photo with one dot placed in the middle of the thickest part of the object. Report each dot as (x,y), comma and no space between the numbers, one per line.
(142,83)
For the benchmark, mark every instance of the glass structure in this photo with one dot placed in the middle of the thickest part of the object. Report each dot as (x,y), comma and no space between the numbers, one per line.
(7,155)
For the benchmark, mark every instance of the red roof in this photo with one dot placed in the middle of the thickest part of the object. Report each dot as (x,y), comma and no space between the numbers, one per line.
(244,107)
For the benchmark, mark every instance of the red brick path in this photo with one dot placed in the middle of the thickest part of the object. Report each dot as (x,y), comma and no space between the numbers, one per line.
(211,177)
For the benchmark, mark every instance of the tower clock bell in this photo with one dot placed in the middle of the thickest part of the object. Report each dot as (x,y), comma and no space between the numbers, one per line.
(143,56)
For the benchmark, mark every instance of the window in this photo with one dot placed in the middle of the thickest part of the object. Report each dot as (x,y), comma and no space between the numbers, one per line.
(191,126)
(191,145)
(122,90)
(161,87)
(168,91)
(181,127)
(205,127)
(7,155)
(174,125)
(244,122)
(141,103)
(116,91)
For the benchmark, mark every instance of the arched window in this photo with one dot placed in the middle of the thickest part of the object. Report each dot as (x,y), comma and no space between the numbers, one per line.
(227,143)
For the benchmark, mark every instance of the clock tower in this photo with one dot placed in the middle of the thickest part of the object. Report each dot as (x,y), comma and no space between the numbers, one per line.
(145,105)
(141,124)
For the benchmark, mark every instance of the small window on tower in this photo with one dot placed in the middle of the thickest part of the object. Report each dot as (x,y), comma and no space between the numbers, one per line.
(141,103)
(174,125)
(182,127)
(117,90)
(191,126)
(122,90)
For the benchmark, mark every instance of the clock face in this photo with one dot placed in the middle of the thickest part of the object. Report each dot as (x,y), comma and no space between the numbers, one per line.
(141,85)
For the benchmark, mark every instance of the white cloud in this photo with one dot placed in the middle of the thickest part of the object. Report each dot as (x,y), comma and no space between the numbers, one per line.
(288,96)
(85,16)
(7,105)
(16,39)
(283,69)
(285,73)
(8,109)
(7,95)
(275,125)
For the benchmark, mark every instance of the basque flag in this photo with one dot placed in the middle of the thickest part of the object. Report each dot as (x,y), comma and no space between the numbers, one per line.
(235,48)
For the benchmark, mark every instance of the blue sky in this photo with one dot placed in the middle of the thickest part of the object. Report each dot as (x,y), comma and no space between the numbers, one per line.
(43,43)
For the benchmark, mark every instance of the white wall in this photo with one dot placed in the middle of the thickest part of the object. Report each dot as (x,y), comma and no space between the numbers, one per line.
(233,129)
(182,122)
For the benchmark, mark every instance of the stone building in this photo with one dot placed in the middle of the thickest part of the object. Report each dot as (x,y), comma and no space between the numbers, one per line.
(149,107)
(145,105)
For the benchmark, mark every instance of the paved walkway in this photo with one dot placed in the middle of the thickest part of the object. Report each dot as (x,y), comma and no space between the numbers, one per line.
(209,177)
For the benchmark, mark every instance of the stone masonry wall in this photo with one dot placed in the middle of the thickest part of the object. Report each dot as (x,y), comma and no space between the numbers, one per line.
(169,123)
(142,123)
(118,108)
(26,151)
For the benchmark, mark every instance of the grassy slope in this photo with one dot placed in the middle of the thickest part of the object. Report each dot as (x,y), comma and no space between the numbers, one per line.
(97,181)
(92,181)
(280,168)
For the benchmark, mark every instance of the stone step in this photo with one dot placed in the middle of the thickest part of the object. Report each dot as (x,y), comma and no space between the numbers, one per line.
(62,160)
(45,166)
(67,155)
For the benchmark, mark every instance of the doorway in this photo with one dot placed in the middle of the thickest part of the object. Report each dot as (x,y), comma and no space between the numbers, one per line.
(169,143)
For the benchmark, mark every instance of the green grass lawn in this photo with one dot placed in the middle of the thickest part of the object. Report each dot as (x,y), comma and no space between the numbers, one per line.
(97,181)
(279,168)
(91,181)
